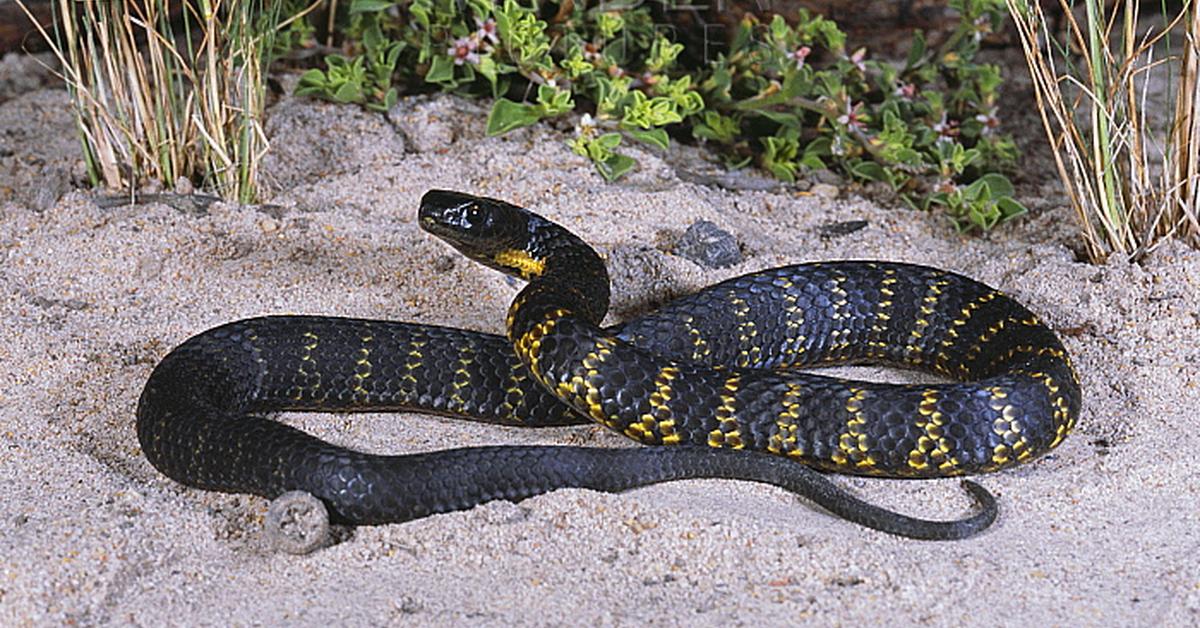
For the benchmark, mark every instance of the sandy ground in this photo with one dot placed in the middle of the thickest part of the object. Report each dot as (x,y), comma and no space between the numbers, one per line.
(1105,530)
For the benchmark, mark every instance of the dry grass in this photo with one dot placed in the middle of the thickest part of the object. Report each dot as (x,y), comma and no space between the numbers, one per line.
(1132,182)
(155,105)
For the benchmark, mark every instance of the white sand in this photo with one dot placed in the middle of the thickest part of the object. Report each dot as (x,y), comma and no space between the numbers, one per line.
(1105,530)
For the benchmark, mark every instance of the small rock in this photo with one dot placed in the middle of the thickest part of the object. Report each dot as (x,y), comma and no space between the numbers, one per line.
(838,229)
(297,523)
(744,179)
(825,176)
(150,187)
(51,186)
(708,245)
(824,190)
(880,192)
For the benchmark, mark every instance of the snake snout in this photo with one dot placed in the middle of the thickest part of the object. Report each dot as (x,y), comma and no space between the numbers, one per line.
(464,218)
(444,209)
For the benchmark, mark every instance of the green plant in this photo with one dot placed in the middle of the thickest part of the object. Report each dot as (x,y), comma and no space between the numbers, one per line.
(787,97)
(926,129)
(1128,195)
(366,78)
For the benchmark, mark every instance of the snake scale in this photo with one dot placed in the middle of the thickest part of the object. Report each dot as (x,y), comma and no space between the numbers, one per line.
(714,373)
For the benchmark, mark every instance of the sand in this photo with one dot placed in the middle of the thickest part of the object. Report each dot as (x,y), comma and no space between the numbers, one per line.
(1103,531)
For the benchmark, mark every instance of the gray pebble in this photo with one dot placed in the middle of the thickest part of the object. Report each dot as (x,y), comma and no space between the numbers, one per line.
(839,229)
(825,190)
(51,186)
(708,245)
(825,176)
(297,523)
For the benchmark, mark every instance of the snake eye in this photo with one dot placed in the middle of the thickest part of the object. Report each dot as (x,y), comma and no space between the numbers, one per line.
(474,218)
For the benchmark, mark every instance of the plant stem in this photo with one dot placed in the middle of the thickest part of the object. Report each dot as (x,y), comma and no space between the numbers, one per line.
(1102,158)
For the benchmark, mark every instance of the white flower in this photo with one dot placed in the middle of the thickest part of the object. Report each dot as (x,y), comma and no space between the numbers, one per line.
(947,130)
(990,121)
(586,126)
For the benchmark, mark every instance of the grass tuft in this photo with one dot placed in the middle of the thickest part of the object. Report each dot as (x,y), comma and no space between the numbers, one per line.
(163,96)
(1132,179)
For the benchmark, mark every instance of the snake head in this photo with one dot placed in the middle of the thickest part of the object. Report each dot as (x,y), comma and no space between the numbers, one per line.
(489,231)
(520,243)
(454,215)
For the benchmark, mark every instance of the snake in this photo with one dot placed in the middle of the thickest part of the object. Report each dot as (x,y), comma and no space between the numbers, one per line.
(714,380)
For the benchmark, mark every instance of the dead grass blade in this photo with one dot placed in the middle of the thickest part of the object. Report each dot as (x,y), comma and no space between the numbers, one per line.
(154,103)
(1131,186)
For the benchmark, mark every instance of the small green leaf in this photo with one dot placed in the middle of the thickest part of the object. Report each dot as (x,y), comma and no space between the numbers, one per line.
(997,184)
(814,151)
(608,23)
(716,127)
(787,119)
(553,101)
(615,166)
(487,67)
(779,28)
(312,81)
(869,170)
(507,115)
(336,63)
(370,6)
(783,171)
(421,11)
(1010,207)
(390,99)
(656,137)
(916,50)
(372,37)
(609,141)
(348,92)
(441,70)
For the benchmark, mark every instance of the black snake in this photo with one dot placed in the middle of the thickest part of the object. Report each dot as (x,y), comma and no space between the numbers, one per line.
(711,373)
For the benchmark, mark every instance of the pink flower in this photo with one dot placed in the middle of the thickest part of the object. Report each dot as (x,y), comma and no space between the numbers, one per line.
(487,30)
(799,55)
(464,49)
(906,91)
(647,79)
(853,117)
(857,60)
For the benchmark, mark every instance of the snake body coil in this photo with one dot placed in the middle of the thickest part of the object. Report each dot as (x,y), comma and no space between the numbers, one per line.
(712,372)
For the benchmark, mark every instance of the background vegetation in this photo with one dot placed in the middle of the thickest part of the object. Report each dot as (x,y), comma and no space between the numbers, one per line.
(787,97)
(163,100)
